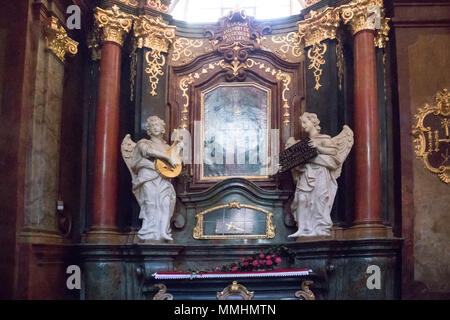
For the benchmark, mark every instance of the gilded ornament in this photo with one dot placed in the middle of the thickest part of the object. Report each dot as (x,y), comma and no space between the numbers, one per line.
(319,26)
(57,39)
(158,5)
(289,44)
(113,23)
(305,293)
(315,55)
(157,35)
(185,49)
(270,227)
(431,135)
(162,292)
(308,3)
(235,289)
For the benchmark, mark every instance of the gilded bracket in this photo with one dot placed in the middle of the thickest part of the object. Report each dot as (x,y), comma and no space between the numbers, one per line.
(57,39)
(432,136)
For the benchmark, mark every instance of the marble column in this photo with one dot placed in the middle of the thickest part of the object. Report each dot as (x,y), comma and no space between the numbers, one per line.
(367,220)
(112,25)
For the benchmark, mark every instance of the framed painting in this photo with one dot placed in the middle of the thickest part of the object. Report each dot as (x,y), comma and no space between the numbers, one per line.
(235,126)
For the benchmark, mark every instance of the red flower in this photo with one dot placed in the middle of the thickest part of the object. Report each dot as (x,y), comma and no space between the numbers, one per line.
(261,261)
(245,264)
(234,269)
(277,260)
(268,257)
(255,263)
(217,268)
(269,262)
(261,256)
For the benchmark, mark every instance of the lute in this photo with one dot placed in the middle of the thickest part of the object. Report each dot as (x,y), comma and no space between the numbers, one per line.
(164,168)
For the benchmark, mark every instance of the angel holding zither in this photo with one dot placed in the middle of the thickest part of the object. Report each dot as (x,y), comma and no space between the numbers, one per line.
(315,180)
(152,162)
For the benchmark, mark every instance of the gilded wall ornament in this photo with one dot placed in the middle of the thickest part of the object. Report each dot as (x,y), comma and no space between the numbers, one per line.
(57,39)
(155,61)
(159,5)
(432,136)
(315,55)
(234,36)
(186,50)
(312,31)
(157,35)
(289,44)
(113,23)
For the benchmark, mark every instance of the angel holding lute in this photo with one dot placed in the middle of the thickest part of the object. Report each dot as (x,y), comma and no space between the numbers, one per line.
(315,180)
(152,162)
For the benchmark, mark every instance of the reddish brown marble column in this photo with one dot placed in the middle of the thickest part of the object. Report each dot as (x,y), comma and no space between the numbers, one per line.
(104,209)
(367,140)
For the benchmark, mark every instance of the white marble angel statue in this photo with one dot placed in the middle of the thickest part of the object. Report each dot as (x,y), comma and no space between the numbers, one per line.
(316,184)
(152,189)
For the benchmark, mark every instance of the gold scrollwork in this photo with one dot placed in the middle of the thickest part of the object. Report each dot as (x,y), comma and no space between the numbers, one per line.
(305,293)
(57,39)
(157,35)
(362,14)
(162,294)
(114,24)
(183,48)
(270,227)
(155,62)
(427,139)
(315,54)
(235,289)
(158,5)
(289,43)
(184,86)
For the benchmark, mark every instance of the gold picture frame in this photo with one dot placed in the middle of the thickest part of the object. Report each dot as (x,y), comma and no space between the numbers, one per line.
(270,227)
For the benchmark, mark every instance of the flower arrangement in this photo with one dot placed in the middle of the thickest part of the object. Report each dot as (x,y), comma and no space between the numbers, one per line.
(260,262)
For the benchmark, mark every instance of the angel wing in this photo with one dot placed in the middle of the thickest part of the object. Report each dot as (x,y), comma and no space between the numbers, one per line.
(344,142)
(127,148)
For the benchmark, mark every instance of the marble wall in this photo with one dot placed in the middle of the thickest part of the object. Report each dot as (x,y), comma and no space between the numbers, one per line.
(431,195)
(44,142)
(421,36)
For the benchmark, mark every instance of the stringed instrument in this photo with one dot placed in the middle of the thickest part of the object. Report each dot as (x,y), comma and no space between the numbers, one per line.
(164,168)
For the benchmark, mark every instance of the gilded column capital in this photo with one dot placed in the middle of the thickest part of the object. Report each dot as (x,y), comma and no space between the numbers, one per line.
(362,14)
(319,26)
(153,33)
(57,39)
(113,23)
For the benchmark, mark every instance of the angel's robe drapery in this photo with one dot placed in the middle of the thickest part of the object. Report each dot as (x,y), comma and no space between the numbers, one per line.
(155,194)
(316,188)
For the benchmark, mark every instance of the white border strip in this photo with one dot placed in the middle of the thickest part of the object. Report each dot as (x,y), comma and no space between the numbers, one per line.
(232,275)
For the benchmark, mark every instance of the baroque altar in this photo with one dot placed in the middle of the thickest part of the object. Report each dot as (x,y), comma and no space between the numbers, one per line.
(207,112)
